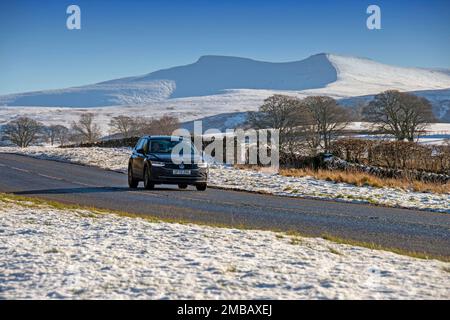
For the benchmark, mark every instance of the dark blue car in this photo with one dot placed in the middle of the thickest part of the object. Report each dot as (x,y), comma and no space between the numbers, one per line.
(167,160)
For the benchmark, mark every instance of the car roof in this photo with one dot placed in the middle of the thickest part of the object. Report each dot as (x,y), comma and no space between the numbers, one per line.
(164,137)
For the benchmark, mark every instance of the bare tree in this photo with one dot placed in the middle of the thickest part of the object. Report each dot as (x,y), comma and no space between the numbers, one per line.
(56,133)
(124,125)
(283,113)
(418,113)
(22,131)
(400,114)
(85,129)
(307,124)
(49,134)
(165,125)
(328,120)
(62,135)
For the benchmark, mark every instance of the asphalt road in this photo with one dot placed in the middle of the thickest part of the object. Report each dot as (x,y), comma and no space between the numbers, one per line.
(412,230)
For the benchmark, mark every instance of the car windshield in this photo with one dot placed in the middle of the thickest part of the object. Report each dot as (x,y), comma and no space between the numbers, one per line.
(166,146)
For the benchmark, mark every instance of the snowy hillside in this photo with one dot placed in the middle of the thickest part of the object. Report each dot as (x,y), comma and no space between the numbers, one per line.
(358,76)
(216,84)
(97,95)
(213,74)
(208,76)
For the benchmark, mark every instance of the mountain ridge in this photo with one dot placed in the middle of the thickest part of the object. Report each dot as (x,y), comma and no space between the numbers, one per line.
(339,76)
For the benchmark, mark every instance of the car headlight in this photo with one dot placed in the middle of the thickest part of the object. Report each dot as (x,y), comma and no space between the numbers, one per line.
(202,165)
(158,164)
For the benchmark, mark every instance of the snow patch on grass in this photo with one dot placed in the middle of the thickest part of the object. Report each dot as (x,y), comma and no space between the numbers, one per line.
(78,254)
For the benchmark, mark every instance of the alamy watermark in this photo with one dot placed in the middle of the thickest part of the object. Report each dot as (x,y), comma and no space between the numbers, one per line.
(374,20)
(246,147)
(73,21)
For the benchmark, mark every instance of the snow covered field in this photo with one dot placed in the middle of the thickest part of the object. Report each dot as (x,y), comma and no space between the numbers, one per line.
(224,177)
(435,133)
(78,254)
(185,109)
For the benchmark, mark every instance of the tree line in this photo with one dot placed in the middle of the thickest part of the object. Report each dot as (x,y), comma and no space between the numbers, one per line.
(310,125)
(25,131)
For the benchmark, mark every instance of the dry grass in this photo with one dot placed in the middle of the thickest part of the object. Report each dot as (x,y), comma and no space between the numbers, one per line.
(365,179)
(296,241)
(334,251)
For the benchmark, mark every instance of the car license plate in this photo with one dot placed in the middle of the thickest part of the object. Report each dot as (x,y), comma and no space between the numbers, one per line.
(182,172)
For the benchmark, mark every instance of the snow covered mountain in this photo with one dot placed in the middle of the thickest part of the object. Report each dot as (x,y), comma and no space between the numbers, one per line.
(209,75)
(219,79)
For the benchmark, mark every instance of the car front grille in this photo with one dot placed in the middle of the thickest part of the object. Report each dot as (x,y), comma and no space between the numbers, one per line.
(177,166)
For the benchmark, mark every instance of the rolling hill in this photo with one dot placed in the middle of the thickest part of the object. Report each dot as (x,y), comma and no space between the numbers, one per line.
(221,79)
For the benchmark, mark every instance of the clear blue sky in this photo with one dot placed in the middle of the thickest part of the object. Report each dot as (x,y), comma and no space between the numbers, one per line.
(124,38)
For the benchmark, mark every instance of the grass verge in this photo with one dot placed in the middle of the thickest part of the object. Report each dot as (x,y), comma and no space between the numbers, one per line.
(295,236)
(374,246)
(365,179)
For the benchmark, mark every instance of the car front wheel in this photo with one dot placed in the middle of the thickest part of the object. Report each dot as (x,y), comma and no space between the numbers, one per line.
(132,182)
(147,180)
